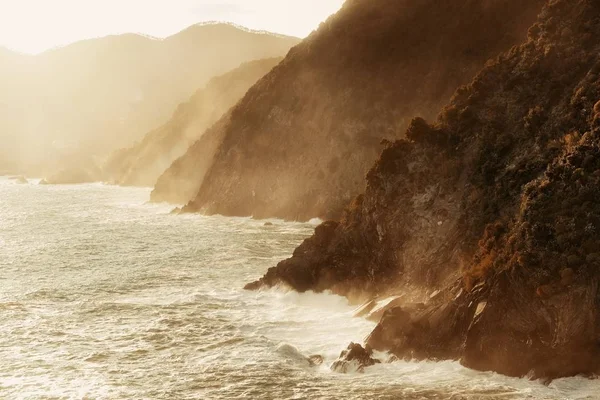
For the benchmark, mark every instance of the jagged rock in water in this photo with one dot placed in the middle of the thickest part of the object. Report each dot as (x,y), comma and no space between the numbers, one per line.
(143,163)
(354,359)
(315,360)
(494,206)
(293,354)
(298,144)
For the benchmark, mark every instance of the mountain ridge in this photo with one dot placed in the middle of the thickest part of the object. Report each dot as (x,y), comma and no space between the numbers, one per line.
(358,79)
(142,164)
(123,85)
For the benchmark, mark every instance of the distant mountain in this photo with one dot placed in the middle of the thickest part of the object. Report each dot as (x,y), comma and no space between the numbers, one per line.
(142,164)
(300,142)
(89,98)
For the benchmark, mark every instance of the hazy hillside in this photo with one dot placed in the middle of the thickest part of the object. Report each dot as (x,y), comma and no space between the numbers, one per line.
(489,216)
(143,163)
(301,141)
(11,110)
(89,98)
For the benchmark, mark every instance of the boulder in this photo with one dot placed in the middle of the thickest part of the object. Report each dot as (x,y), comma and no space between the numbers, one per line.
(354,359)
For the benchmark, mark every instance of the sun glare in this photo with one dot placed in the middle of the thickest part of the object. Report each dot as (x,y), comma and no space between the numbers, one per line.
(32,26)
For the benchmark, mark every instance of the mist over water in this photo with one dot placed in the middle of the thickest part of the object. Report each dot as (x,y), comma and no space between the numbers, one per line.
(103,296)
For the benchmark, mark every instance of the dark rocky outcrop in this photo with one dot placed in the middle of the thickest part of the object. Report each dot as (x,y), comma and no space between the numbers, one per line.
(354,359)
(494,208)
(315,360)
(300,142)
(142,164)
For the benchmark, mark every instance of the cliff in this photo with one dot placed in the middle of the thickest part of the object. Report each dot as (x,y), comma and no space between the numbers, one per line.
(95,96)
(299,144)
(489,217)
(143,163)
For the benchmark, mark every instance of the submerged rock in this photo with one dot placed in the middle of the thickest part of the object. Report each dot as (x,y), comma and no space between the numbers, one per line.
(293,354)
(354,359)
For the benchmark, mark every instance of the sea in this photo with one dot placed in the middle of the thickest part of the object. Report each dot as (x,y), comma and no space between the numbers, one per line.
(104,295)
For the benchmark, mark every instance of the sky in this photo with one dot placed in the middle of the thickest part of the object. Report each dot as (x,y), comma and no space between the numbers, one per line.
(32,26)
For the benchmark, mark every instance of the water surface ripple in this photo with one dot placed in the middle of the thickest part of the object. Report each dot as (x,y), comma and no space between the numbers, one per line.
(103,296)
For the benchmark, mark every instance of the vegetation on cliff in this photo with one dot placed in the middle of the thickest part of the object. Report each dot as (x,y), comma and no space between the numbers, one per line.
(300,142)
(489,216)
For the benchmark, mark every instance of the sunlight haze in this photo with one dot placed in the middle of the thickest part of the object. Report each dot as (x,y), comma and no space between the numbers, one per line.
(32,26)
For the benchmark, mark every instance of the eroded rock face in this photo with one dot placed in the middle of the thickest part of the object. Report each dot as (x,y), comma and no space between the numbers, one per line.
(354,359)
(494,206)
(300,142)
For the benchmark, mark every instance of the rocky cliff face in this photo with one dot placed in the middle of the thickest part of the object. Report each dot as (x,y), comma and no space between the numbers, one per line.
(301,141)
(95,96)
(489,216)
(142,164)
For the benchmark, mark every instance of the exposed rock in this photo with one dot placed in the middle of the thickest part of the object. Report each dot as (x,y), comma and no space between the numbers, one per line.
(354,359)
(512,169)
(315,360)
(380,312)
(298,144)
(365,309)
(298,277)
(293,354)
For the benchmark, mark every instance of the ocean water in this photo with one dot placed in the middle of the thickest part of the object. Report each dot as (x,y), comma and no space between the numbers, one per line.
(103,296)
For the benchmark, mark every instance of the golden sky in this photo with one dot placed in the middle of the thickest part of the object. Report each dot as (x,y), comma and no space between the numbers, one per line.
(32,26)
